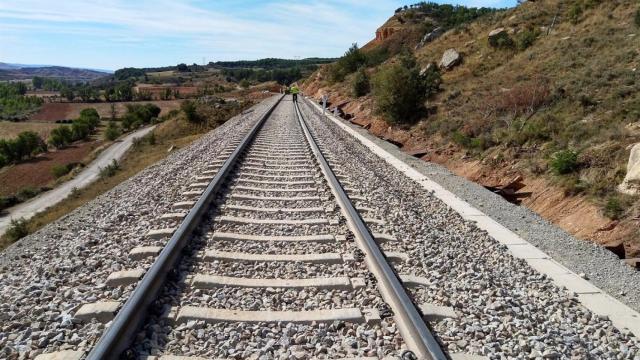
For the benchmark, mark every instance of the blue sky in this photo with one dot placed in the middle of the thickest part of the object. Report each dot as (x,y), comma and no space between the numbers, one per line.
(110,34)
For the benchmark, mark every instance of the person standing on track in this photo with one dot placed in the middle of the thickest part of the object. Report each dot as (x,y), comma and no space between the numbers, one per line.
(294,91)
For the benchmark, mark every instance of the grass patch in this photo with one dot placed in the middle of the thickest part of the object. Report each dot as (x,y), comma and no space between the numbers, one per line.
(17,230)
(59,171)
(109,170)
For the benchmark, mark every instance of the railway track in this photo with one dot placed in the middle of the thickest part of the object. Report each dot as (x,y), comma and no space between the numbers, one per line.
(270,254)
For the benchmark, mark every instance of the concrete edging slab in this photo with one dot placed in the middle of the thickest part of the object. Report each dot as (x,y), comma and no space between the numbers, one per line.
(590,295)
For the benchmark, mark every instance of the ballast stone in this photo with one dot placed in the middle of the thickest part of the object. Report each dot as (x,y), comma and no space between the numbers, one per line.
(61,355)
(142,252)
(212,316)
(125,277)
(103,311)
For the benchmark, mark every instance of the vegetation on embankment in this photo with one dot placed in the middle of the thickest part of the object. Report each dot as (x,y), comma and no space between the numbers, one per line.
(556,95)
(174,131)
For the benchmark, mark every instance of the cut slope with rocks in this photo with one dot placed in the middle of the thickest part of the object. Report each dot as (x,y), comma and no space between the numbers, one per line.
(541,79)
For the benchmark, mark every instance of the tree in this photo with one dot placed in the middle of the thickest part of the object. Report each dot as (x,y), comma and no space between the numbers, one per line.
(112,131)
(400,90)
(37,82)
(360,85)
(66,92)
(182,67)
(112,111)
(110,94)
(347,64)
(124,92)
(190,111)
(60,136)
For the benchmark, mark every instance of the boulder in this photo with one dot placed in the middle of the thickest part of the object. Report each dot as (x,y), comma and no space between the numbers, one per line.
(500,38)
(497,33)
(429,37)
(450,59)
(631,183)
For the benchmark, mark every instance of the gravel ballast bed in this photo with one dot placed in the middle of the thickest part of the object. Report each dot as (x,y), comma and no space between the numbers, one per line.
(374,339)
(46,276)
(492,292)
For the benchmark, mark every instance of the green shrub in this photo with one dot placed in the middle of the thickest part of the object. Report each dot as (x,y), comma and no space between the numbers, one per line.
(376,56)
(138,115)
(61,170)
(564,162)
(150,138)
(360,85)
(90,114)
(24,146)
(8,201)
(110,170)
(17,230)
(637,18)
(244,83)
(526,38)
(60,136)
(400,90)
(27,193)
(501,41)
(112,131)
(614,208)
(461,139)
(575,11)
(191,112)
(347,64)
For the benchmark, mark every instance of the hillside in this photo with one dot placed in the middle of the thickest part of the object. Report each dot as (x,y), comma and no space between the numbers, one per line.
(14,72)
(551,101)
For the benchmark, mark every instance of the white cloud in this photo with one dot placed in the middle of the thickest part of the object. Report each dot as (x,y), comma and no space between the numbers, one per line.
(189,29)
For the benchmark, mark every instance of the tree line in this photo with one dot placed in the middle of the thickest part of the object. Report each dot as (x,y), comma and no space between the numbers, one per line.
(14,105)
(281,76)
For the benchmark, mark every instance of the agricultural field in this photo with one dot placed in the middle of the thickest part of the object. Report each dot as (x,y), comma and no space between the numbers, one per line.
(9,129)
(37,172)
(51,112)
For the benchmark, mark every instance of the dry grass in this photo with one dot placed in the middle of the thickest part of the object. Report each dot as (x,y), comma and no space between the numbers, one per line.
(10,129)
(592,92)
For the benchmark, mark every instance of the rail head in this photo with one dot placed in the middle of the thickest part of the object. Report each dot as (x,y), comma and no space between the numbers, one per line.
(412,327)
(120,334)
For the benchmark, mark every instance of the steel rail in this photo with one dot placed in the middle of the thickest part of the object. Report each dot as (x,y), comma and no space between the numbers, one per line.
(410,323)
(121,333)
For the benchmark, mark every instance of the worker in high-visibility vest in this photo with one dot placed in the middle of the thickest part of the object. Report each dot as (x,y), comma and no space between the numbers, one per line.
(294,91)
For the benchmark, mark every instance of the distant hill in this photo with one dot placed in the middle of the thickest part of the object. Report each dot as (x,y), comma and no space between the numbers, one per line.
(24,72)
(271,63)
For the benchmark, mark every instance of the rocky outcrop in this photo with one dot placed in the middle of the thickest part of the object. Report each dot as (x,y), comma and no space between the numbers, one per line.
(430,36)
(450,59)
(384,32)
(631,183)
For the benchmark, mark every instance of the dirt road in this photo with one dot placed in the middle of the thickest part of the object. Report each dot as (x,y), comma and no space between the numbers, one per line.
(87,176)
